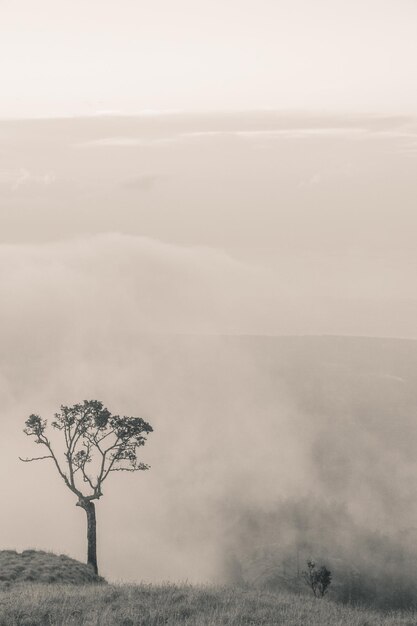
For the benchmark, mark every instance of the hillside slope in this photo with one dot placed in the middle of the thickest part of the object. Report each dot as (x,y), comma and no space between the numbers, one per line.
(36,605)
(43,567)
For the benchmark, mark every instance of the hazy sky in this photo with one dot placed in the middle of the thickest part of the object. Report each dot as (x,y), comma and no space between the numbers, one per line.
(74,57)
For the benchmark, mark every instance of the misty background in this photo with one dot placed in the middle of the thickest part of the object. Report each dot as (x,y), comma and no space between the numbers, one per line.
(244,278)
(157,265)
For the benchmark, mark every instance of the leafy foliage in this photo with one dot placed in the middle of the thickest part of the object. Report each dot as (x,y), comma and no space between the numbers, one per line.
(96,443)
(317,579)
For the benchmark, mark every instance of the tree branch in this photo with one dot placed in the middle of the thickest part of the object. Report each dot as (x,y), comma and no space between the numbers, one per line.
(36,458)
(86,426)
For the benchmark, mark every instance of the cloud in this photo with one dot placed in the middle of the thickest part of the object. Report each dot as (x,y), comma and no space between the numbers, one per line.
(327,175)
(196,289)
(265,126)
(107,113)
(170,289)
(141,182)
(114,142)
(211,135)
(15,179)
(313,181)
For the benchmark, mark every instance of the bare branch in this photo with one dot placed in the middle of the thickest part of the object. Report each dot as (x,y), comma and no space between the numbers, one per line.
(36,458)
(111,432)
(136,468)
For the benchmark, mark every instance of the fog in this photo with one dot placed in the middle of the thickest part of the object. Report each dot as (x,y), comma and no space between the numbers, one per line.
(93,318)
(159,331)
(179,269)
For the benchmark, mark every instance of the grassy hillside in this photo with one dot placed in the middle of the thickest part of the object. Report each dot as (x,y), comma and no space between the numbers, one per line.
(42,567)
(53,605)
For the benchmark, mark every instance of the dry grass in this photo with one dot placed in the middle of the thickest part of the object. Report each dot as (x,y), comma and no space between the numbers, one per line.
(42,567)
(101,605)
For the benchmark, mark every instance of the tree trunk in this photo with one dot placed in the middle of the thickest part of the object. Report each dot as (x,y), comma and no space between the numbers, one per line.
(90,510)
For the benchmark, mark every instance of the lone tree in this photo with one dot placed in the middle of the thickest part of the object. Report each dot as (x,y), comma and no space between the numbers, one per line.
(93,444)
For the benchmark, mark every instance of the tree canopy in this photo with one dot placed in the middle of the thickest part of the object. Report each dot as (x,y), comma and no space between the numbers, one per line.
(96,444)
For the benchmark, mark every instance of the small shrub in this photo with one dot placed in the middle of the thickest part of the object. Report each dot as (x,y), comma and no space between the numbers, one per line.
(317,579)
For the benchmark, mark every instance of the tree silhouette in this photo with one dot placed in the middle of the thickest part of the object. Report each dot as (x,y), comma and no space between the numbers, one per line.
(317,579)
(93,444)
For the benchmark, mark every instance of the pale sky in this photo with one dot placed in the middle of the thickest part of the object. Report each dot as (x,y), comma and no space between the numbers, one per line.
(74,57)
